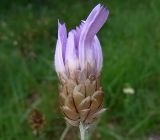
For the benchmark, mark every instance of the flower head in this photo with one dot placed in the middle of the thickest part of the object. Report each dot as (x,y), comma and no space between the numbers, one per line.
(81,49)
(78,62)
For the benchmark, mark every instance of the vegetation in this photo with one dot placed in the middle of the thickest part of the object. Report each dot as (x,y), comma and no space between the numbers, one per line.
(131,48)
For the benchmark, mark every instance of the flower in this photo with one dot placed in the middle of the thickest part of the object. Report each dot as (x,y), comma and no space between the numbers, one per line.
(81,49)
(78,63)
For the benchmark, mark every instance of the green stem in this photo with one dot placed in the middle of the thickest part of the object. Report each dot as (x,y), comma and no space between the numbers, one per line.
(65,132)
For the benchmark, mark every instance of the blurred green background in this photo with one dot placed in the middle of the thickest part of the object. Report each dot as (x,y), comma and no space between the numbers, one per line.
(131,46)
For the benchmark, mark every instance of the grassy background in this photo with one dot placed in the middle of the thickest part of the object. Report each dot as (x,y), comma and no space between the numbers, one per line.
(131,47)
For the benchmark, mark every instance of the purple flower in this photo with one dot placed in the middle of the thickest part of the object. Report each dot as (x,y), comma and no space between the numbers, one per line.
(81,49)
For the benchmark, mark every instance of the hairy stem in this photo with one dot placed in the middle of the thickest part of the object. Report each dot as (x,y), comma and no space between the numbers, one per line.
(83,131)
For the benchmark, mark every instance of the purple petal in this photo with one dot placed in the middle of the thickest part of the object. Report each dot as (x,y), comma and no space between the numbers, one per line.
(98,54)
(71,53)
(60,49)
(62,36)
(92,25)
(78,33)
(95,21)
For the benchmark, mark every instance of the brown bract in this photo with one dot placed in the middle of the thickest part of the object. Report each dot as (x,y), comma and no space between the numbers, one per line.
(81,98)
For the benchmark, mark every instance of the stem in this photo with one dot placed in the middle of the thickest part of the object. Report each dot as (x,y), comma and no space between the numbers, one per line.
(65,132)
(83,131)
